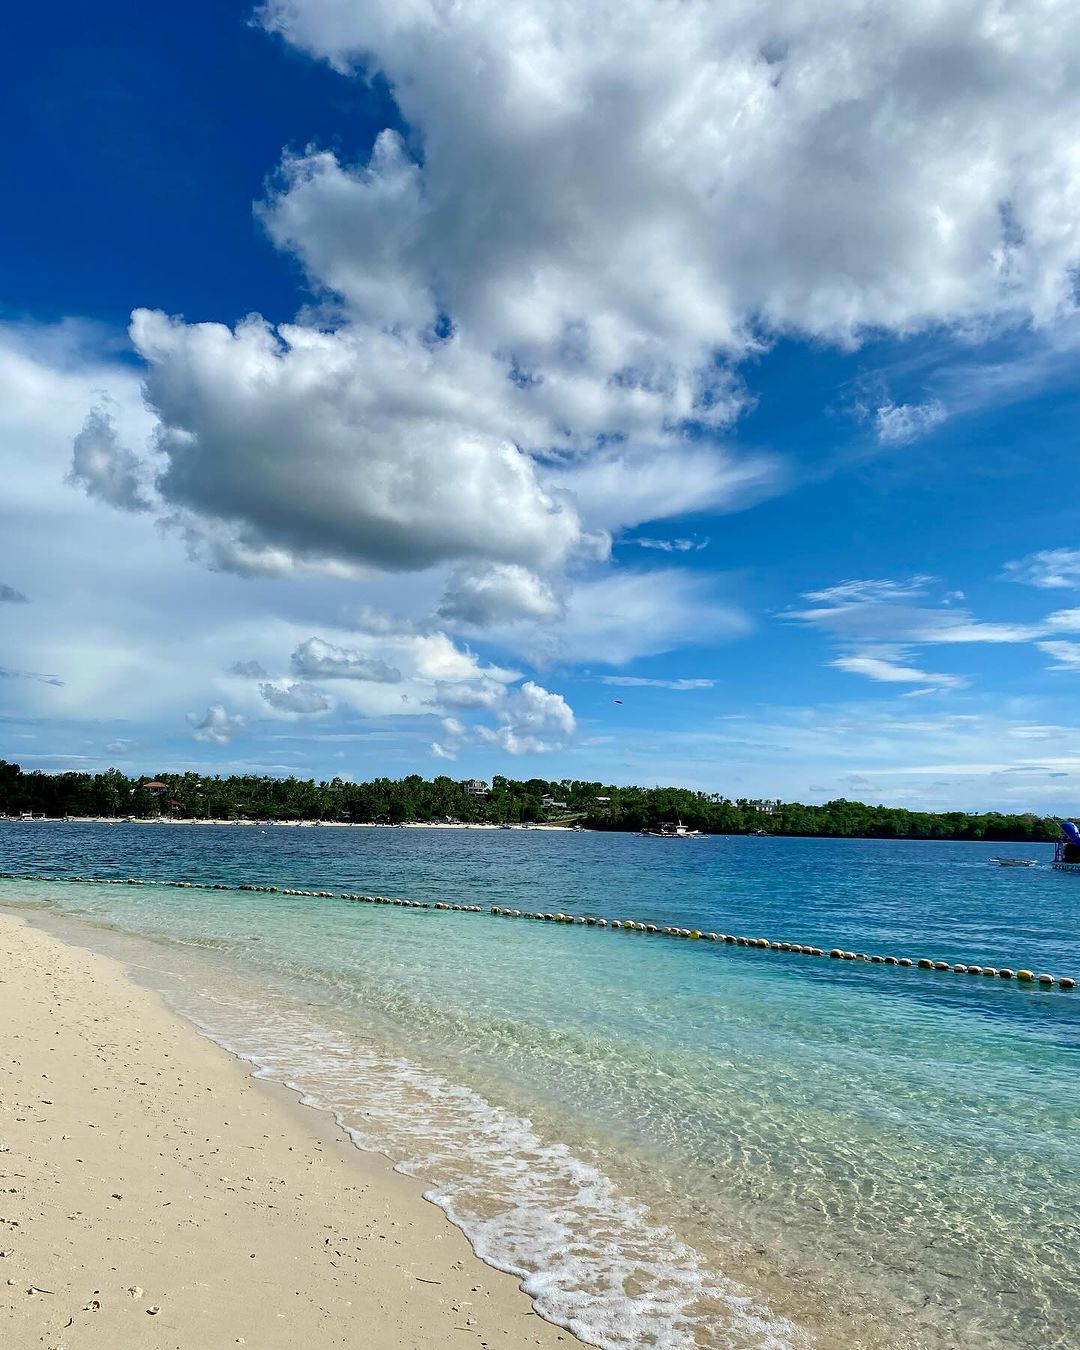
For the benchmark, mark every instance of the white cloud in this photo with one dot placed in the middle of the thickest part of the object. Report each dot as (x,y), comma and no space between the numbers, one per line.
(443,751)
(315,659)
(452,727)
(302,446)
(901,423)
(1064,620)
(478,597)
(1066,655)
(888,668)
(216,726)
(638,682)
(865,592)
(533,721)
(486,693)
(623,615)
(672,545)
(1051,569)
(104,468)
(537,289)
(658,181)
(881,611)
(624,486)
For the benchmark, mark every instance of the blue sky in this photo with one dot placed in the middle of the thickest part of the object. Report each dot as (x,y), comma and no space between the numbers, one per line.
(390,389)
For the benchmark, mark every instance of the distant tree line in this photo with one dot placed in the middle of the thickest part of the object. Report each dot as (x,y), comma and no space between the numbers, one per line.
(597,806)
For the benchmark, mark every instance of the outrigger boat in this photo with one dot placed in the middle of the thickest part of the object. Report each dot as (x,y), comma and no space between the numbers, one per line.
(665,830)
(1067,849)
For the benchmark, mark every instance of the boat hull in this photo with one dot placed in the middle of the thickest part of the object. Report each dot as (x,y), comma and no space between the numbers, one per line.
(1065,867)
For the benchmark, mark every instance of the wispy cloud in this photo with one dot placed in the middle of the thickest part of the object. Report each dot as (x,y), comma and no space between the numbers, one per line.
(1066,655)
(6,673)
(1051,569)
(639,682)
(672,545)
(901,423)
(888,668)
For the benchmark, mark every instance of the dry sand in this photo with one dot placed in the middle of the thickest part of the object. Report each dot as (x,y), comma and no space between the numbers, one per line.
(153,1194)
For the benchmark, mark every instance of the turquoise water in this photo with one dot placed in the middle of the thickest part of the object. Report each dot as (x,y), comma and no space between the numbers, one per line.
(675,1144)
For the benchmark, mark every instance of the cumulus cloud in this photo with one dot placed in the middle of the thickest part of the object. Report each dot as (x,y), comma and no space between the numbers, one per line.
(901,423)
(485,693)
(678,178)
(297,700)
(104,468)
(303,447)
(533,721)
(216,726)
(541,288)
(316,659)
(9,595)
(443,751)
(1052,569)
(498,594)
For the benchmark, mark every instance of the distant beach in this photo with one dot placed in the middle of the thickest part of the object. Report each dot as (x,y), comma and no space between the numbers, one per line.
(286,824)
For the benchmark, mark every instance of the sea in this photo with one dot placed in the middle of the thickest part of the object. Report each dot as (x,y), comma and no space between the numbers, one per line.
(673,1143)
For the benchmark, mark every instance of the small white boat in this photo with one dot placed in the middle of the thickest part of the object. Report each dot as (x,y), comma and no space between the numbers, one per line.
(1016,862)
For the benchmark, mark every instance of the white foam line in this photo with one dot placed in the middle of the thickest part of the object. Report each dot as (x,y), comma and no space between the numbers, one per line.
(560,1225)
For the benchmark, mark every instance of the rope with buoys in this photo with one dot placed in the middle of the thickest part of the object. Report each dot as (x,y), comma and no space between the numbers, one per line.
(1022,976)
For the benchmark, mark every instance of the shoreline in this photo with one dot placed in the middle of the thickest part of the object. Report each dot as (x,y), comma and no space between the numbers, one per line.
(140,1155)
(286,824)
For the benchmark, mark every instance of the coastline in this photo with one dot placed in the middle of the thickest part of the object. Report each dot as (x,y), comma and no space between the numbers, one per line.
(140,1156)
(282,824)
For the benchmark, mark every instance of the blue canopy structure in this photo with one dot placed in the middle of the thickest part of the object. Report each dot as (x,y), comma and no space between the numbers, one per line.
(1071,832)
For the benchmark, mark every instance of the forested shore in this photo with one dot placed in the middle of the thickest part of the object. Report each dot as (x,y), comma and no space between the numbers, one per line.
(593,805)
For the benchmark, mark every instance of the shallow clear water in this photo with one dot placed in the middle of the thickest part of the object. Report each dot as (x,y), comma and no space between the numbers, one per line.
(676,1144)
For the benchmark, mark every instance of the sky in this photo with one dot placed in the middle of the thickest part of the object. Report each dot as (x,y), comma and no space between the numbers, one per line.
(647,392)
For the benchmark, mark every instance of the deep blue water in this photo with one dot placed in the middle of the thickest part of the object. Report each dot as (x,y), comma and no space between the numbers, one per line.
(676,1143)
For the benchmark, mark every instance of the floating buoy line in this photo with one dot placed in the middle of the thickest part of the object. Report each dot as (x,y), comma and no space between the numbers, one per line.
(1022,975)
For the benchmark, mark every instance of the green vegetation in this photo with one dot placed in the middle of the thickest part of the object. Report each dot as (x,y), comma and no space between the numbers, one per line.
(595,805)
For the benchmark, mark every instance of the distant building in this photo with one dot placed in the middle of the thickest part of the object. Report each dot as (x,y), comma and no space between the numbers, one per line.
(602,801)
(475,787)
(155,788)
(547,802)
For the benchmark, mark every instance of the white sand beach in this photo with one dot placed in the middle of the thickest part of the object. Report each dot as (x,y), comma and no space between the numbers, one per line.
(154,1194)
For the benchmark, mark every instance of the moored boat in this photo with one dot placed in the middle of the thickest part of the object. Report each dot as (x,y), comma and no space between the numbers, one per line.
(666,830)
(1016,862)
